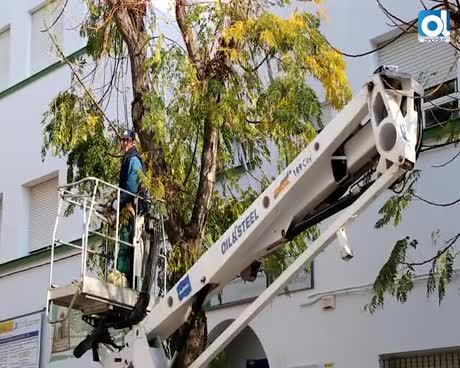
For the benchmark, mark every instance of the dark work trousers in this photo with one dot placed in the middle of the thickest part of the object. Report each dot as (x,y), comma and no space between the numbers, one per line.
(126,253)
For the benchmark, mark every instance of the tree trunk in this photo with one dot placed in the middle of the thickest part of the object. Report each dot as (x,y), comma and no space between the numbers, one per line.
(130,23)
(192,336)
(196,339)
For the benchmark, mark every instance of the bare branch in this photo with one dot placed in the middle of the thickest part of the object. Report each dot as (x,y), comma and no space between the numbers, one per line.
(48,27)
(437,204)
(394,19)
(372,50)
(82,84)
(448,162)
(263,61)
(192,161)
(188,34)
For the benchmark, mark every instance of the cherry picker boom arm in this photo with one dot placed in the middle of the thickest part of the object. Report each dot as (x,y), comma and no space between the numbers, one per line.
(372,142)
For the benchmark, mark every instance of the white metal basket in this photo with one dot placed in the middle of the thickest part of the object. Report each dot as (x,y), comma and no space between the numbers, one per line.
(91,292)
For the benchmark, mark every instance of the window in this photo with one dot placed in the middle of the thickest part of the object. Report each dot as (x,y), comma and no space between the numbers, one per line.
(440,103)
(243,154)
(237,290)
(43,210)
(434,66)
(436,359)
(43,51)
(4,58)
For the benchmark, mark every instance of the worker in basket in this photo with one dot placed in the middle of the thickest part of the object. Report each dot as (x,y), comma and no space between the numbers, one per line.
(130,171)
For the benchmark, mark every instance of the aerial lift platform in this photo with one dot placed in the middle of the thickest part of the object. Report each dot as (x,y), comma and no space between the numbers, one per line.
(100,287)
(368,147)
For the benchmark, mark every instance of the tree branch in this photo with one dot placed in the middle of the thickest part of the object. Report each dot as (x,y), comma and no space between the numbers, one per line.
(207,179)
(440,253)
(192,161)
(437,204)
(428,147)
(448,162)
(130,22)
(188,34)
(82,84)
(394,18)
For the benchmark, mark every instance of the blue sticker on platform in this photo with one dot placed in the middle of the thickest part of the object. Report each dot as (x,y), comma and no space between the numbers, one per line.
(184,288)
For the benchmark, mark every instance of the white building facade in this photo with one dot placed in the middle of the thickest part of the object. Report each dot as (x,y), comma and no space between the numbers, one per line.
(294,330)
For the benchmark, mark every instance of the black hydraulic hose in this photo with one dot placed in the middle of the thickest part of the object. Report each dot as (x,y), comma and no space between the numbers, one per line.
(296,228)
(139,311)
(100,333)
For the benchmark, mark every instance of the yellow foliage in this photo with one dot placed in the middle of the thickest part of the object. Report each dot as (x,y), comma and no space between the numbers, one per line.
(295,41)
(267,38)
(92,121)
(328,66)
(233,55)
(236,32)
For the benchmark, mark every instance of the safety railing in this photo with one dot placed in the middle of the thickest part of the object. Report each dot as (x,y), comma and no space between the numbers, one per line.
(102,221)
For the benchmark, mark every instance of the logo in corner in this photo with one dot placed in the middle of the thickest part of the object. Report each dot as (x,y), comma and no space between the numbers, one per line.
(434,26)
(184,288)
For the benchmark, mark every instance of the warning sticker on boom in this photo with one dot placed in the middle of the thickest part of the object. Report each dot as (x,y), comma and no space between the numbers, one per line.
(184,288)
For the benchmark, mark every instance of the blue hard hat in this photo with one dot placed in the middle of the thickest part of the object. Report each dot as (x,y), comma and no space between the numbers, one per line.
(129,134)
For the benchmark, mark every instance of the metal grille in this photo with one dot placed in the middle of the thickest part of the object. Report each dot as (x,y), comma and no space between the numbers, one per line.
(449,359)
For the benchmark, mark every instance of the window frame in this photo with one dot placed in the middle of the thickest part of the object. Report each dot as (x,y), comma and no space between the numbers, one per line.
(52,201)
(242,156)
(50,9)
(265,279)
(439,102)
(7,29)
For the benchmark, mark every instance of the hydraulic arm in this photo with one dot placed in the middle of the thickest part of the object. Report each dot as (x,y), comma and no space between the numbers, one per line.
(378,129)
(364,150)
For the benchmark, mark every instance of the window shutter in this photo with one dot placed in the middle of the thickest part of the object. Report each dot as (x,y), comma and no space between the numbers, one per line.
(43,51)
(430,63)
(43,209)
(4,58)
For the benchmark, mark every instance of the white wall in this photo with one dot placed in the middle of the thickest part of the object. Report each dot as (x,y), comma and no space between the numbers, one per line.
(291,333)
(295,335)
(21,157)
(25,292)
(22,114)
(23,110)
(17,15)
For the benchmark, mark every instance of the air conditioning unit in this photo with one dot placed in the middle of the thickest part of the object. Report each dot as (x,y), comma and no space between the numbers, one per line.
(328,302)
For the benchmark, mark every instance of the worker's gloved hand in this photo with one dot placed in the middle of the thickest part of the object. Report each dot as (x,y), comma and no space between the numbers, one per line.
(109,212)
(114,205)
